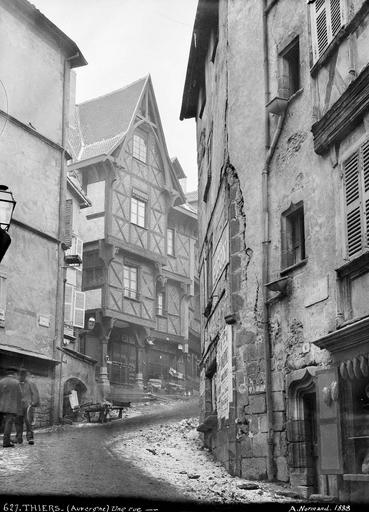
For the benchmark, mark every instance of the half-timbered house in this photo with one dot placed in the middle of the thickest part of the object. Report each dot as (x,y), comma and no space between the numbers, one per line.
(139,246)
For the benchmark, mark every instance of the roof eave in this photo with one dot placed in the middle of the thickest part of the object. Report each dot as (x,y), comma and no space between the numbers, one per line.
(75,55)
(84,201)
(80,164)
(183,210)
(178,168)
(204,21)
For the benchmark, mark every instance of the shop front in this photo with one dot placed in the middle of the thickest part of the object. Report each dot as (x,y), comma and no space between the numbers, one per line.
(343,415)
(165,367)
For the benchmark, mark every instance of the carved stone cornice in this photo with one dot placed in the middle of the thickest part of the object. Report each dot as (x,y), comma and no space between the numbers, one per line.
(344,115)
(348,337)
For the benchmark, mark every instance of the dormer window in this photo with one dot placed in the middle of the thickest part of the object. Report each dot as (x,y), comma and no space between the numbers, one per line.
(139,147)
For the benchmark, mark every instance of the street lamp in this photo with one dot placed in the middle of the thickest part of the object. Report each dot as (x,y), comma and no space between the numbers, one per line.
(7,205)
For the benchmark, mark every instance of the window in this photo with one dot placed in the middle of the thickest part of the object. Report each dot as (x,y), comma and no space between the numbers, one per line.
(160,301)
(211,389)
(139,148)
(356,184)
(170,241)
(290,69)
(138,212)
(209,269)
(93,271)
(130,282)
(293,236)
(327,17)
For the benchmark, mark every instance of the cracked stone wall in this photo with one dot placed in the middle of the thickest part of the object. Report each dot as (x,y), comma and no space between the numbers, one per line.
(234,112)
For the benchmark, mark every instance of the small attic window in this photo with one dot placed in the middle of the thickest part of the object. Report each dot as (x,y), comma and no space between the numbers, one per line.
(139,147)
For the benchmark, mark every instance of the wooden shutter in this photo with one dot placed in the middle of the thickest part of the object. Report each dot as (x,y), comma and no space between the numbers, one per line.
(68,304)
(353,205)
(336,16)
(79,309)
(320,28)
(327,17)
(365,177)
(68,222)
(329,430)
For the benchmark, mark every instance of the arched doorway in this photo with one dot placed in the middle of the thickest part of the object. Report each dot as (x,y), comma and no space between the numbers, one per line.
(72,385)
(302,432)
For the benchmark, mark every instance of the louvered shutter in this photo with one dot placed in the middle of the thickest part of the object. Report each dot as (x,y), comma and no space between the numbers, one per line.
(336,16)
(320,27)
(354,215)
(329,431)
(68,304)
(79,309)
(365,176)
(68,222)
(327,17)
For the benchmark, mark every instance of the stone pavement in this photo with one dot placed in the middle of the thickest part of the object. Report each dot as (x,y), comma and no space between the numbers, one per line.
(155,454)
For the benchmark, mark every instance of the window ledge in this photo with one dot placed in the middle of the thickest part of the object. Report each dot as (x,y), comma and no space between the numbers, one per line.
(295,95)
(138,226)
(137,299)
(139,160)
(297,265)
(357,264)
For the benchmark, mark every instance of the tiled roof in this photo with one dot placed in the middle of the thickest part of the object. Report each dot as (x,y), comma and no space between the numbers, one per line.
(101,122)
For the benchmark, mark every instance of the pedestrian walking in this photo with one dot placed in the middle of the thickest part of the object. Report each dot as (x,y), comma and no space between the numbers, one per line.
(10,403)
(30,399)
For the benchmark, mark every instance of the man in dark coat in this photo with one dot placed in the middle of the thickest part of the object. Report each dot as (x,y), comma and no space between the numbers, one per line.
(10,403)
(30,400)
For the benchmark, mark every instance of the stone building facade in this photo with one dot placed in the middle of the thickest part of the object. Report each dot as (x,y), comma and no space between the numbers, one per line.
(139,255)
(35,64)
(279,92)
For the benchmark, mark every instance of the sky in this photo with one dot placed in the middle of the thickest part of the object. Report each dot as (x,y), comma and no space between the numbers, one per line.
(124,40)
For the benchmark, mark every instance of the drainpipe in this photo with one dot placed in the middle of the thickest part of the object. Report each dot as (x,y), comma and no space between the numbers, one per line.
(59,310)
(270,148)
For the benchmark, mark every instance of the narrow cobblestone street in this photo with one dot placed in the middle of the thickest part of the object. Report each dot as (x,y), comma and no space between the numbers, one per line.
(155,454)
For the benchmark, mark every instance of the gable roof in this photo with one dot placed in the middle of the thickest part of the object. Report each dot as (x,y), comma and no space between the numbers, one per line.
(98,126)
(100,123)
